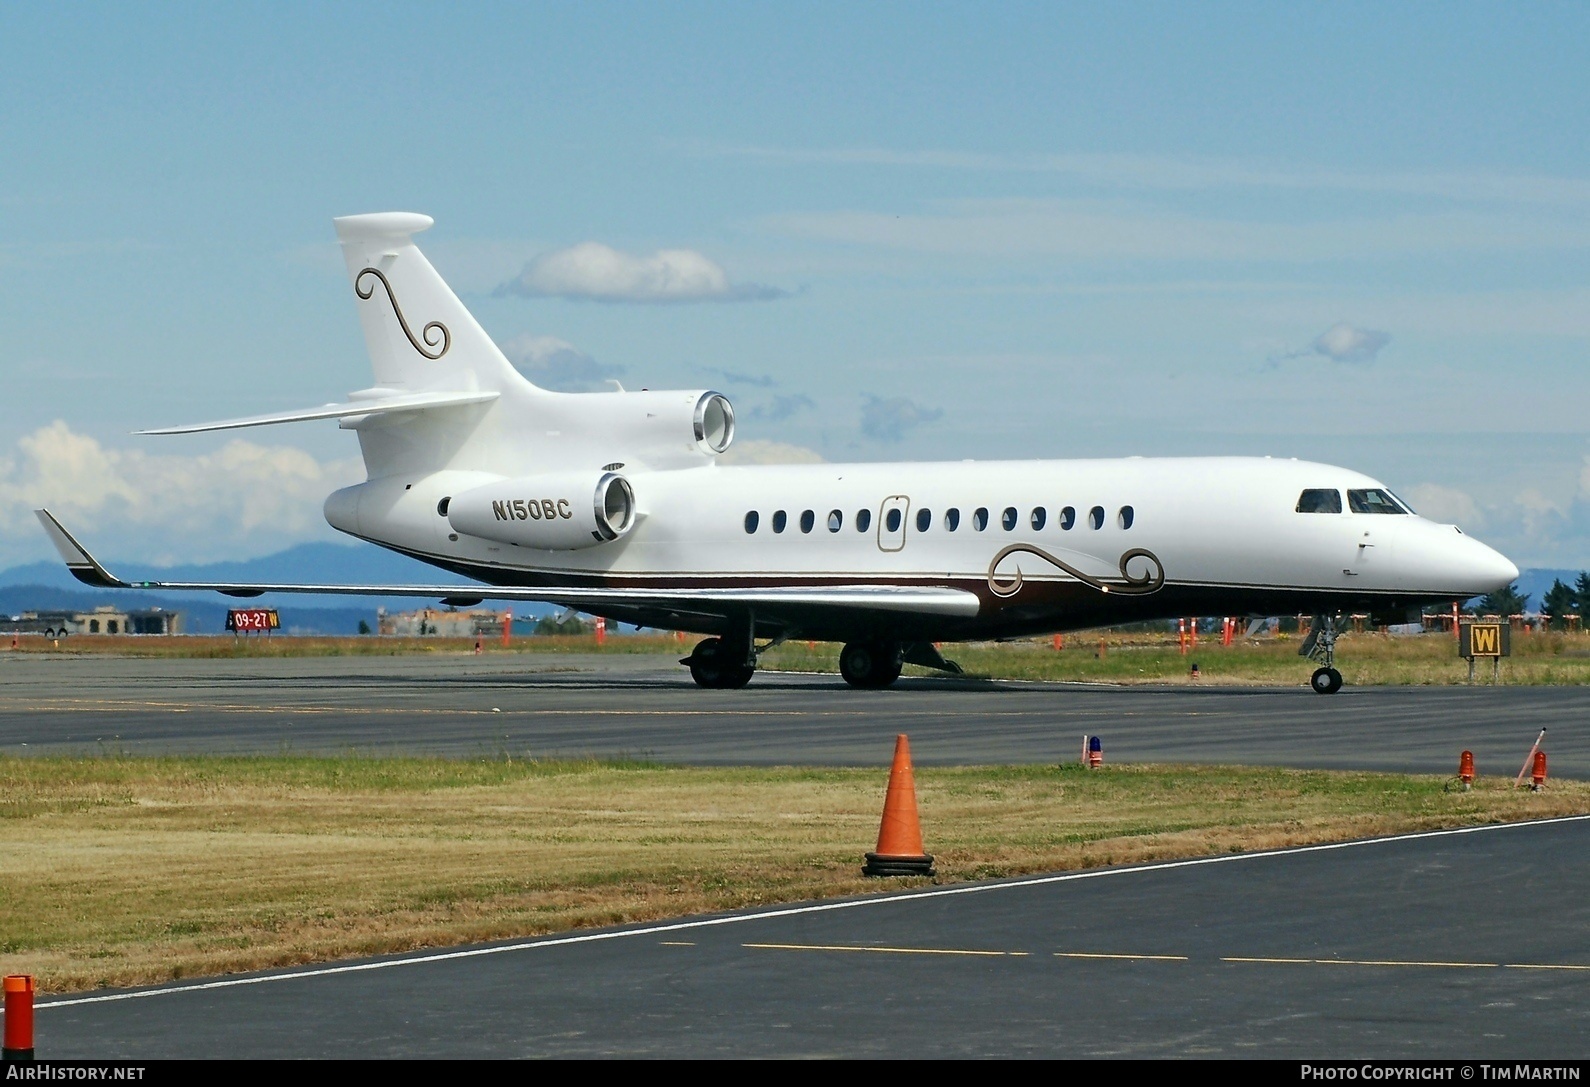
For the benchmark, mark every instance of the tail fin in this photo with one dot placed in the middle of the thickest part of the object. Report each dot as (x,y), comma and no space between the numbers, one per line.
(420,336)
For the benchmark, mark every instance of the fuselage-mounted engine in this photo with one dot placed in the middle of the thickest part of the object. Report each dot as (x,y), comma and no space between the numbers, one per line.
(562,511)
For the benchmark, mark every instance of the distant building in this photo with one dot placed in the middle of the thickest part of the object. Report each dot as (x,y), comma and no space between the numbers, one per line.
(105,619)
(440,623)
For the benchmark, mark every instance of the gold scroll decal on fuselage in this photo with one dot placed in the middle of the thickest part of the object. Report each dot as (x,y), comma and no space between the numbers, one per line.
(534,509)
(435,334)
(1150,580)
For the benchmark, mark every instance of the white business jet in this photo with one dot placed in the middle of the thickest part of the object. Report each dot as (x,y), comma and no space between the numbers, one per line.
(615,503)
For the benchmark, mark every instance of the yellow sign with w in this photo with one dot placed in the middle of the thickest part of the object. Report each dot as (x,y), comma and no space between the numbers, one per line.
(1484,640)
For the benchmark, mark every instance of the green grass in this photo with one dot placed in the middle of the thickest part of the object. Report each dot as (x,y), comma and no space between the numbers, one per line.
(117,870)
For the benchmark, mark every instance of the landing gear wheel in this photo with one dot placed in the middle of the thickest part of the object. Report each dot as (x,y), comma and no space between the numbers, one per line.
(709,670)
(1326,681)
(870,664)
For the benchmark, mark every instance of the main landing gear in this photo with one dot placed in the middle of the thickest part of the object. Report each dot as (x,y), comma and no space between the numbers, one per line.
(729,662)
(871,664)
(714,666)
(1320,645)
(875,664)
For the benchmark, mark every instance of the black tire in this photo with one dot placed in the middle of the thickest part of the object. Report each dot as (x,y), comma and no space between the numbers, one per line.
(870,665)
(709,670)
(1325,681)
(705,668)
(733,679)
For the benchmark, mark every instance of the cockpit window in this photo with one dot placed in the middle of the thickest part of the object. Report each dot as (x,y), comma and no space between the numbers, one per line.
(1319,501)
(1373,500)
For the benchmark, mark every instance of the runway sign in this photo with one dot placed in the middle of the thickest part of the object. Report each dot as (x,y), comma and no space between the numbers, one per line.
(249,620)
(1484,640)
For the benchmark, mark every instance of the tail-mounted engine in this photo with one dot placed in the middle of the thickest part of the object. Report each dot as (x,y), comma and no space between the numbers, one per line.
(564,511)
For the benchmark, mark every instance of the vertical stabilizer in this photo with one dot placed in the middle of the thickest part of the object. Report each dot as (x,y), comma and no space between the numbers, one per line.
(420,336)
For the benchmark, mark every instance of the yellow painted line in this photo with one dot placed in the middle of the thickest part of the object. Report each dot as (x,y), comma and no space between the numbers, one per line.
(887,950)
(1107,955)
(1365,962)
(109,705)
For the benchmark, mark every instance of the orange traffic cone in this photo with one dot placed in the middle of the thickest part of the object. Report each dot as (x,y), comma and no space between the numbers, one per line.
(1466,768)
(1537,778)
(899,851)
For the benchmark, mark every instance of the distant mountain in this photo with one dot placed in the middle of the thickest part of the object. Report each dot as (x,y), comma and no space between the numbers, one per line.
(49,586)
(313,562)
(1535,583)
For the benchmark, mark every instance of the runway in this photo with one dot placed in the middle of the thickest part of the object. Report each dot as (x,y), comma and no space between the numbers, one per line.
(646,707)
(1448,946)
(1470,944)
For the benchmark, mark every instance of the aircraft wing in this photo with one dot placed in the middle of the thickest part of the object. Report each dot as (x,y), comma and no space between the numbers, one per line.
(917,600)
(376,406)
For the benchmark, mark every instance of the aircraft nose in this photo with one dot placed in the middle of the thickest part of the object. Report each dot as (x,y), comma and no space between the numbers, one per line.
(1491,568)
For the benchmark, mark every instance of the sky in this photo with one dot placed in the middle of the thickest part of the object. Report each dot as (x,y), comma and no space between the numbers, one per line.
(1353,233)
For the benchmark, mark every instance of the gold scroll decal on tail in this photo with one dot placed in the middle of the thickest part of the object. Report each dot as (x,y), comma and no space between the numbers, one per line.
(434,334)
(1150,579)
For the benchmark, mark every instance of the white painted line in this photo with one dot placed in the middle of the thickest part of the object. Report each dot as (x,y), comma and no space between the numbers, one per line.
(795,911)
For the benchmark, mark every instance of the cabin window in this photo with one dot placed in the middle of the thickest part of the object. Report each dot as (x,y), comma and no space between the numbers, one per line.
(1068,518)
(924,520)
(751,520)
(836,520)
(808,519)
(1320,501)
(441,507)
(980,518)
(1009,518)
(780,519)
(1373,500)
(93,626)
(863,520)
(1096,517)
(1039,516)
(1125,517)
(110,626)
(952,519)
(892,521)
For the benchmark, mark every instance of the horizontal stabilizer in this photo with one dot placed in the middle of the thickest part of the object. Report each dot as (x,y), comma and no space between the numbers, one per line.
(915,600)
(376,406)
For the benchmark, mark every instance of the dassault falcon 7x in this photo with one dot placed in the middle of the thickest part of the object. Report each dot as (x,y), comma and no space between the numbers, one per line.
(615,503)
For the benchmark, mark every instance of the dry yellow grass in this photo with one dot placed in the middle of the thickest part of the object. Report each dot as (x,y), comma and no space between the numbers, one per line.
(118,871)
(1369,659)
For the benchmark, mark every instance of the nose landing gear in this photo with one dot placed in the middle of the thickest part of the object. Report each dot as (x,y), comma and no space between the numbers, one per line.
(1320,645)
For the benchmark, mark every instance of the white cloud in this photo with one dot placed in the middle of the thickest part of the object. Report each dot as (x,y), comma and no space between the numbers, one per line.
(1198,173)
(1119,229)
(1447,505)
(1341,343)
(240,500)
(557,364)
(1344,343)
(764,452)
(887,419)
(595,272)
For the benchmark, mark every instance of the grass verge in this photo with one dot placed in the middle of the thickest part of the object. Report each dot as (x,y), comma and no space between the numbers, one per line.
(120,871)
(1539,659)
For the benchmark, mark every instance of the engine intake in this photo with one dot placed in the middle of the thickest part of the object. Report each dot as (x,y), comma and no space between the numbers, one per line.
(565,511)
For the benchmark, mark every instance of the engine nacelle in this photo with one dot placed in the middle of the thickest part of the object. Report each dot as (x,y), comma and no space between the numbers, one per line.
(561,511)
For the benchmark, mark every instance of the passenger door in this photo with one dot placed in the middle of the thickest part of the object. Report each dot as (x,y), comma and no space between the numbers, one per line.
(892,522)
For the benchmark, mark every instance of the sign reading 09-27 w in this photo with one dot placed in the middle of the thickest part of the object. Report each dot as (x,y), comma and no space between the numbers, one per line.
(1484,640)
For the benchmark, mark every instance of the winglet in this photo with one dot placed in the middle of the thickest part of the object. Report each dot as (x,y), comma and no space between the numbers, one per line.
(83,566)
